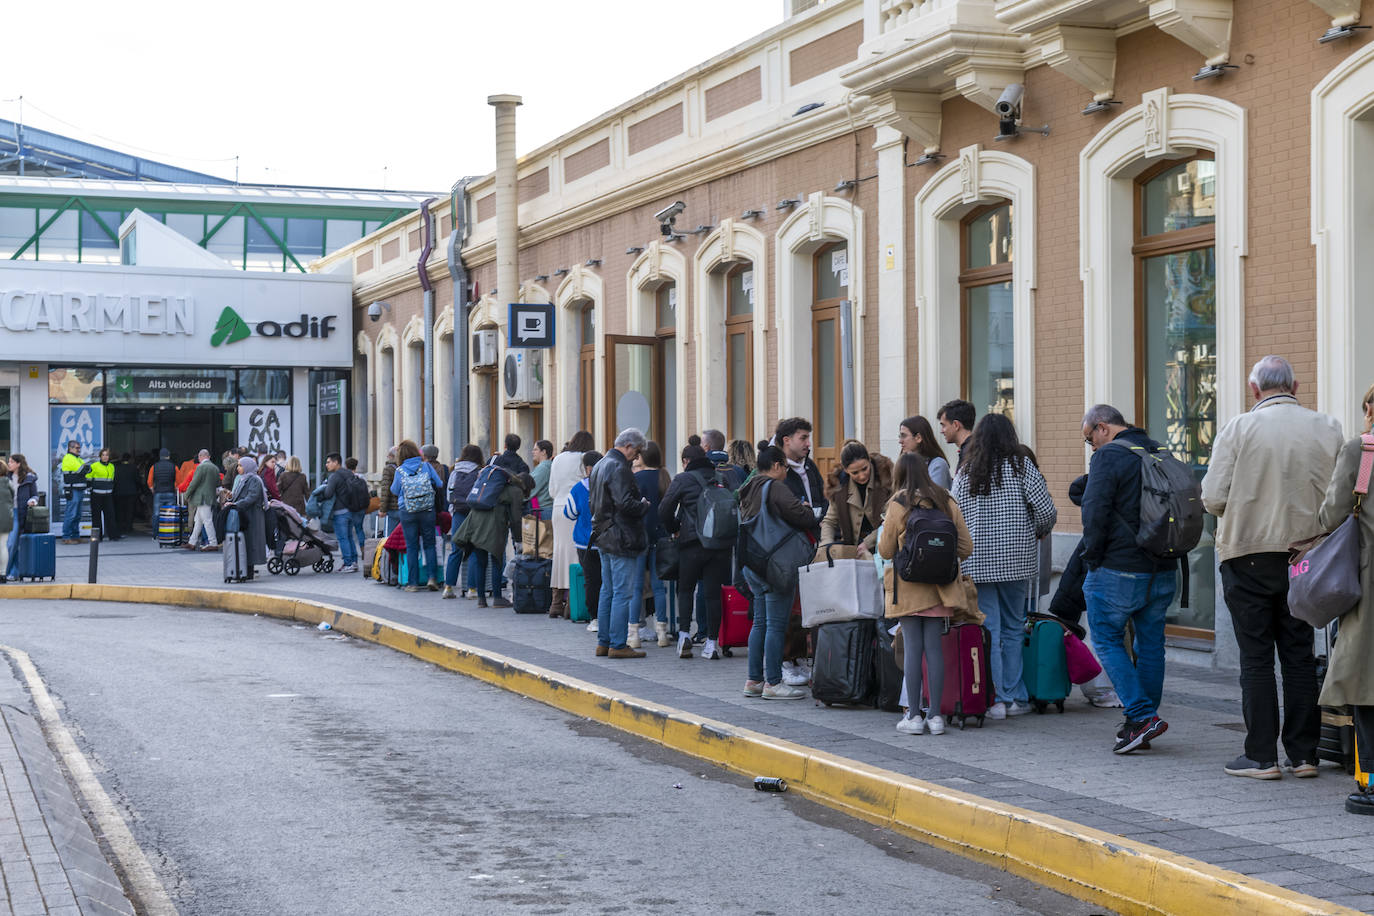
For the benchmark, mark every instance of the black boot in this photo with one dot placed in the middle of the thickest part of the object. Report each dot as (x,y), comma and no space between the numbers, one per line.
(1360,802)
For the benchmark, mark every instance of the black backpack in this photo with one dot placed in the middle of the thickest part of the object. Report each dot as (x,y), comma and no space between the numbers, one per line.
(929,553)
(356,496)
(460,487)
(717,514)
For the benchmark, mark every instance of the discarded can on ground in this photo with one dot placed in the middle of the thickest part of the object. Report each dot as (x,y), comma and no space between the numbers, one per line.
(770,784)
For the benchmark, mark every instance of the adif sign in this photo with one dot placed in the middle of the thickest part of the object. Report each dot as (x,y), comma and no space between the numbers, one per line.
(265,428)
(88,313)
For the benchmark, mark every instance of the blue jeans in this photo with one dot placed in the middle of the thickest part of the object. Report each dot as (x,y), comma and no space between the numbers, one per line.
(160,500)
(1004,605)
(71,515)
(418,528)
(12,569)
(1115,597)
(358,519)
(660,591)
(619,592)
(772,610)
(484,567)
(343,530)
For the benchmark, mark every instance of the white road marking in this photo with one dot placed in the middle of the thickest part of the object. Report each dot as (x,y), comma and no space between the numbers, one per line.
(150,897)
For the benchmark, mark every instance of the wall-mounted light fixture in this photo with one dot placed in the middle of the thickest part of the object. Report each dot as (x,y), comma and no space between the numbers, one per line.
(929,158)
(809,106)
(1337,32)
(787,203)
(700,230)
(562,271)
(751,214)
(1209,71)
(635,249)
(847,184)
(1097,105)
(541,278)
(592,262)
(675,237)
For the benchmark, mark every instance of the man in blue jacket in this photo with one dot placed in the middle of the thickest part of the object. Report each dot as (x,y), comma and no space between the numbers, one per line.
(1124,582)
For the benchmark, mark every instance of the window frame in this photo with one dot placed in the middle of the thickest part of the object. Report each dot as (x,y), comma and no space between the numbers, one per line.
(742,325)
(827,310)
(974,277)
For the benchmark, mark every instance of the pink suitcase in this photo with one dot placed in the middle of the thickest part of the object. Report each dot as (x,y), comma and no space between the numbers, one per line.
(968,674)
(734,619)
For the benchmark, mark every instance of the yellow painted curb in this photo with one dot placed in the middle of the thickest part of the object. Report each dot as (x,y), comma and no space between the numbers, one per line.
(1093,865)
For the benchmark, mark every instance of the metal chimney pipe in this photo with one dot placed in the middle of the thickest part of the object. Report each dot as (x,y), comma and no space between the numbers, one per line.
(507,204)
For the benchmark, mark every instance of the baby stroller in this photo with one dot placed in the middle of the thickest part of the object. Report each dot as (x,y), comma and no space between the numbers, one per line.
(301,544)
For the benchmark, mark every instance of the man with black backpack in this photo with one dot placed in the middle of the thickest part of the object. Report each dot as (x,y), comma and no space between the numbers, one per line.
(341,488)
(1131,577)
(702,511)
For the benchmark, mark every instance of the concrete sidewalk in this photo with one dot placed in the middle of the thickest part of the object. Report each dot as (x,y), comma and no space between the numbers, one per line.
(49,858)
(1293,833)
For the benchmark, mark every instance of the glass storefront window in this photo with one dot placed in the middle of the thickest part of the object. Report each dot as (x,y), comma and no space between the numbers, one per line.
(305,238)
(8,399)
(262,252)
(190,225)
(827,383)
(227,242)
(1181,198)
(665,305)
(740,290)
(832,273)
(172,385)
(76,386)
(60,241)
(341,232)
(16,225)
(265,386)
(989,239)
(990,352)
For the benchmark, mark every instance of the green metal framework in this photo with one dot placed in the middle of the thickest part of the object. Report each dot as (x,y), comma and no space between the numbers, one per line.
(98,219)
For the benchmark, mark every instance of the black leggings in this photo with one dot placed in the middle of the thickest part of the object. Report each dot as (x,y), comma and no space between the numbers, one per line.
(590,558)
(103,515)
(712,569)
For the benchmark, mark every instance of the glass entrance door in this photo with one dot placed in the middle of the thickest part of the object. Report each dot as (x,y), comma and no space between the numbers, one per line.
(632,381)
(9,403)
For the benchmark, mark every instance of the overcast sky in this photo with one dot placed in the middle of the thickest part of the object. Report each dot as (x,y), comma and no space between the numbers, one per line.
(353,94)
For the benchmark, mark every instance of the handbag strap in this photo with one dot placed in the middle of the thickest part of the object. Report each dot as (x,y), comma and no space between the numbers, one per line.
(1366,466)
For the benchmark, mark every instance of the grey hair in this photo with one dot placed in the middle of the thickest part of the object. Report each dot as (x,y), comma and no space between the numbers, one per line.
(1103,413)
(1272,373)
(631,438)
(713,440)
(204,454)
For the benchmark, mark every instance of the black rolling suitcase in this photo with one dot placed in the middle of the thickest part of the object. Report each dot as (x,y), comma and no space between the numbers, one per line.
(844,669)
(531,585)
(1337,740)
(888,673)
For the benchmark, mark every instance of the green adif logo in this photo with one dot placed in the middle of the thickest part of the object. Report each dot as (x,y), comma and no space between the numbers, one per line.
(229,328)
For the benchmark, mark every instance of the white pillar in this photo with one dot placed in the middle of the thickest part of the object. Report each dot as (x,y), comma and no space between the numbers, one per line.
(895,361)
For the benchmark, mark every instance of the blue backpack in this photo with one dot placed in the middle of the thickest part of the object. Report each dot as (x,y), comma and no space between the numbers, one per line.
(486,489)
(417,490)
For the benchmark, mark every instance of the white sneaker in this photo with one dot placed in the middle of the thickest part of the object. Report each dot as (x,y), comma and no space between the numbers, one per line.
(591,627)
(997,711)
(783,692)
(796,678)
(937,725)
(1105,697)
(711,650)
(913,725)
(1019,709)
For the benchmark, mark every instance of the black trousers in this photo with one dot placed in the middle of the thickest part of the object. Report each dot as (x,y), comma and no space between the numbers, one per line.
(590,558)
(1256,590)
(1364,736)
(103,515)
(712,569)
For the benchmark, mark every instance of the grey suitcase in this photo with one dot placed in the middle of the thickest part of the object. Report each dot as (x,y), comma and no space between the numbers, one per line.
(236,567)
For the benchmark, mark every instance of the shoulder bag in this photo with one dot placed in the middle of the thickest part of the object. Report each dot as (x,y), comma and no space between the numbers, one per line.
(1324,571)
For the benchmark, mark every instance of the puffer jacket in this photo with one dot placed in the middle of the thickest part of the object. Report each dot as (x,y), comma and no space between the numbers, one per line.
(845,516)
(677,511)
(617,508)
(388,502)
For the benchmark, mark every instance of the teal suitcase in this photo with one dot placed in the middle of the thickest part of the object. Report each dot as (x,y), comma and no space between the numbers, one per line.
(1045,666)
(577,594)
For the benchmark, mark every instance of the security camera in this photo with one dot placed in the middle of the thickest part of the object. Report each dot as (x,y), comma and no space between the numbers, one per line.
(1008,105)
(667,213)
(374,311)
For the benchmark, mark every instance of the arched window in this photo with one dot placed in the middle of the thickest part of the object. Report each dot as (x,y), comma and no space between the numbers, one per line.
(665,329)
(1176,338)
(830,287)
(739,350)
(986,316)
(586,373)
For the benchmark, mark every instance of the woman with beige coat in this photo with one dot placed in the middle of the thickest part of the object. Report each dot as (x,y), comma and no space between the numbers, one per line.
(858,491)
(1350,677)
(921,607)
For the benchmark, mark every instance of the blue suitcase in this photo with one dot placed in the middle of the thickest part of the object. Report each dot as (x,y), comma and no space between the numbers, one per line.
(37,556)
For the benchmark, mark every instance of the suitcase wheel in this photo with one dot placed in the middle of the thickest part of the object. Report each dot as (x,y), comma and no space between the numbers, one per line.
(1040,706)
(1059,704)
(727,653)
(980,721)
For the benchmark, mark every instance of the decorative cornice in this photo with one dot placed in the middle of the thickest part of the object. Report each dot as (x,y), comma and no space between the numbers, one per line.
(1342,12)
(1085,55)
(915,114)
(1203,25)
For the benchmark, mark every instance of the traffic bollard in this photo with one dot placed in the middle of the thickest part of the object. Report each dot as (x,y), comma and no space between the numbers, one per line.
(94,566)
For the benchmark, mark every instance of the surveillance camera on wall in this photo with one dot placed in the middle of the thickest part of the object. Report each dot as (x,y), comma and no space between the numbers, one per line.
(670,211)
(1008,105)
(374,311)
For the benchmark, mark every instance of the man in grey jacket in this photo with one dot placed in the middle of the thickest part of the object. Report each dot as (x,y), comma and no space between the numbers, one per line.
(1265,482)
(618,511)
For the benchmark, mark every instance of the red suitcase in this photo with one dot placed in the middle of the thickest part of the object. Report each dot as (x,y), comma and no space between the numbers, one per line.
(968,689)
(734,619)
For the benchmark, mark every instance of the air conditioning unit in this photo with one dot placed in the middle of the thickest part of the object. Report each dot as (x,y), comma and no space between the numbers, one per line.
(524,377)
(484,349)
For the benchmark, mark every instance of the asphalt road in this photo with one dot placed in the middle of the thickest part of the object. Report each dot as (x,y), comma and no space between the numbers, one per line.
(267,768)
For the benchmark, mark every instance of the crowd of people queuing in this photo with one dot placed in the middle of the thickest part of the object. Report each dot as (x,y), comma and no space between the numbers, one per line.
(1277,474)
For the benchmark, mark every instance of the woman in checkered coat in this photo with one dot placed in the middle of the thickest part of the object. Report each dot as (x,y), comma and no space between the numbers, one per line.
(1008,509)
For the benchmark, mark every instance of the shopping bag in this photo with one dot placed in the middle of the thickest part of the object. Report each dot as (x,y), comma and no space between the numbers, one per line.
(834,590)
(536,537)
